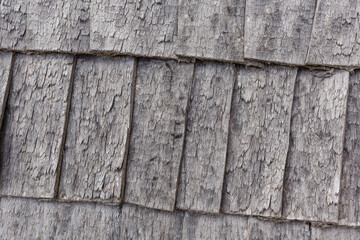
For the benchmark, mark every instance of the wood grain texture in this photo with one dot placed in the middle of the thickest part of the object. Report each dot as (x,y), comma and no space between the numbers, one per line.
(278,31)
(98,130)
(203,164)
(56,25)
(312,178)
(145,28)
(334,233)
(258,140)
(349,213)
(29,219)
(142,223)
(211,29)
(335,39)
(5,65)
(161,99)
(13,15)
(33,125)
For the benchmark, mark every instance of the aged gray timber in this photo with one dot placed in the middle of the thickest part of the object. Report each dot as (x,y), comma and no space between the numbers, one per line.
(146,28)
(278,31)
(5,65)
(203,164)
(141,223)
(13,15)
(161,98)
(98,131)
(58,25)
(33,125)
(349,212)
(29,219)
(312,178)
(335,37)
(334,233)
(258,140)
(211,29)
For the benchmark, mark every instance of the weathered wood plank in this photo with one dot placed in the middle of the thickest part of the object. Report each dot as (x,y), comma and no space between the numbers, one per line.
(5,65)
(335,39)
(312,178)
(98,131)
(146,28)
(203,164)
(349,213)
(211,29)
(161,98)
(13,15)
(29,219)
(278,31)
(33,125)
(258,140)
(334,233)
(142,223)
(57,25)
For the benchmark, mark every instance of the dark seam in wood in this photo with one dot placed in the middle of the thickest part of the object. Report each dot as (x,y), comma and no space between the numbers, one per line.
(317,3)
(65,128)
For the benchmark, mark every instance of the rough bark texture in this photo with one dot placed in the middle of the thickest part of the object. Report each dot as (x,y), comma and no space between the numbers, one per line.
(58,25)
(312,178)
(334,233)
(278,31)
(5,65)
(146,28)
(29,219)
(98,131)
(141,223)
(211,29)
(13,15)
(206,137)
(161,98)
(335,37)
(33,125)
(258,140)
(349,213)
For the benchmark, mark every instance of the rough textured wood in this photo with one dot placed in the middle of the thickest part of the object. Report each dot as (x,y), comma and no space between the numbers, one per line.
(211,29)
(30,219)
(278,31)
(33,125)
(258,140)
(98,131)
(58,25)
(5,65)
(161,98)
(141,223)
(312,178)
(13,15)
(335,37)
(334,233)
(349,212)
(146,28)
(206,138)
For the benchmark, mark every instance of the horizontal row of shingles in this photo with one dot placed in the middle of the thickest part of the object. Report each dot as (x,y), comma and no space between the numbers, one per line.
(253,139)
(293,32)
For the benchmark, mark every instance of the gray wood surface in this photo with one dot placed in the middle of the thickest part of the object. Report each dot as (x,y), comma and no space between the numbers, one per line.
(5,65)
(258,140)
(211,29)
(203,164)
(57,25)
(335,37)
(98,131)
(161,99)
(142,223)
(22,218)
(13,15)
(146,28)
(334,233)
(312,178)
(278,31)
(33,125)
(349,212)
